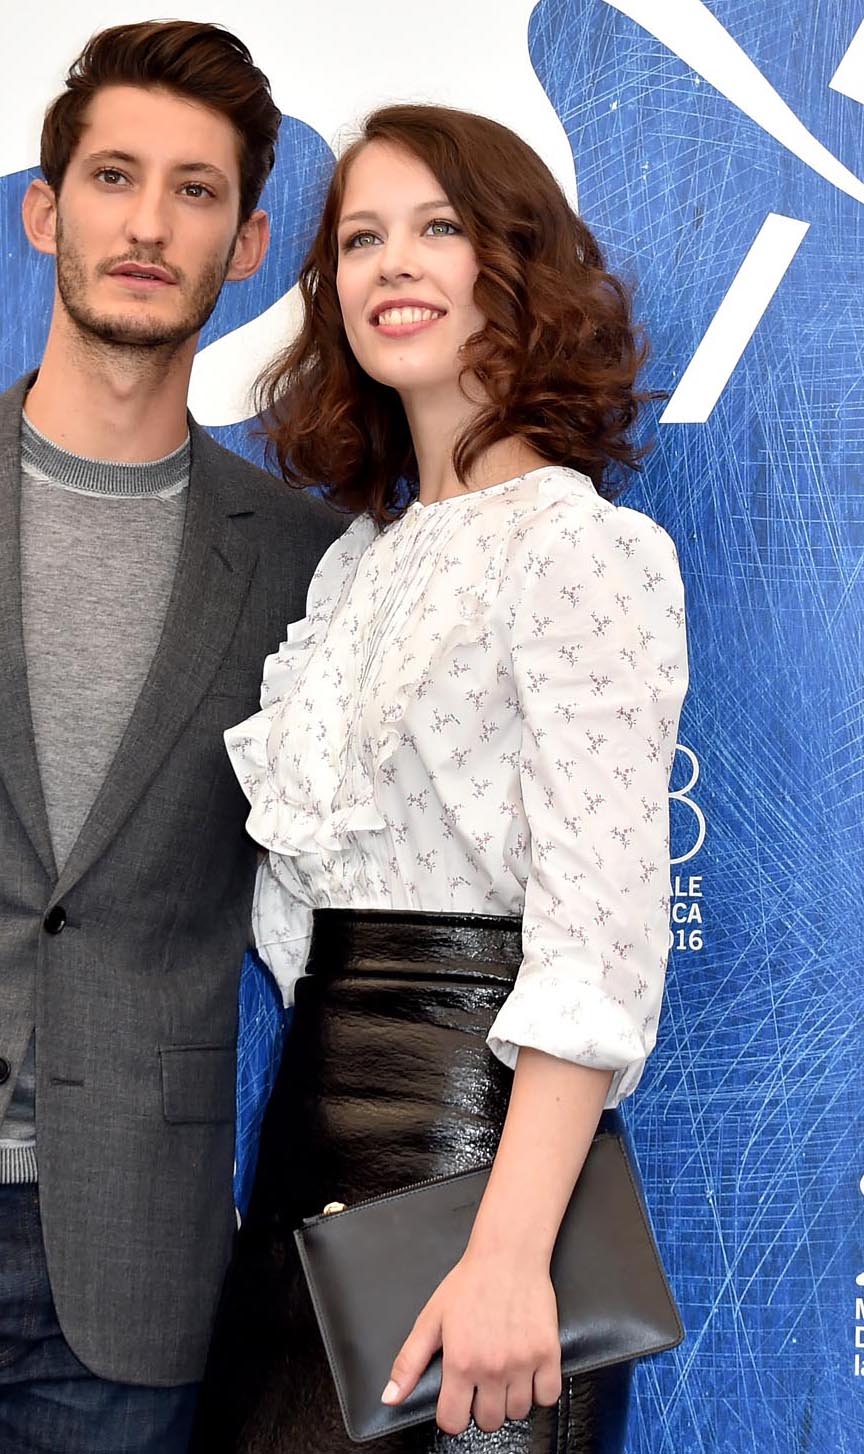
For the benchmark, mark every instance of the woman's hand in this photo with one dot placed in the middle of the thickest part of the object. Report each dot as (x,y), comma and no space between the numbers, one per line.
(497,1322)
(495,1314)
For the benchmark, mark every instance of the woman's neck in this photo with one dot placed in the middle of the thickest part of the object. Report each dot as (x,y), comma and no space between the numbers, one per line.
(436,423)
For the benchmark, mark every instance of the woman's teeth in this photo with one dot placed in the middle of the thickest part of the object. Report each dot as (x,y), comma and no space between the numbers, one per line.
(392,317)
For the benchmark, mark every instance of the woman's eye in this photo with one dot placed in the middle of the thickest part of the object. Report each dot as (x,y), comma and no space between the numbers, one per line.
(443,227)
(361,239)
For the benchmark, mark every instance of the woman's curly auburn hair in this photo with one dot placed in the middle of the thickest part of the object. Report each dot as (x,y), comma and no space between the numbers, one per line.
(557,357)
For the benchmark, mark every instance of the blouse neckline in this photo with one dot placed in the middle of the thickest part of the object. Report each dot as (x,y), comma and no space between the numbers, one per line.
(469,494)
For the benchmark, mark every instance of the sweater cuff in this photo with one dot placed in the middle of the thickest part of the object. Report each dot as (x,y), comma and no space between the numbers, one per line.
(17,1164)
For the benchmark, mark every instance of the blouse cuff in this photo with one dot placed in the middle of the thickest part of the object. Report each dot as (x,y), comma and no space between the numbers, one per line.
(286,950)
(613,1043)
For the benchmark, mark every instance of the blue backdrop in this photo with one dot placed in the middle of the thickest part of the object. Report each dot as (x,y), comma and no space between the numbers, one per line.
(748,1123)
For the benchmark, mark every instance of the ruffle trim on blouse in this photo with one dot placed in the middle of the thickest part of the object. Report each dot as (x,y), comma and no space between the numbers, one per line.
(278,820)
(303,723)
(354,806)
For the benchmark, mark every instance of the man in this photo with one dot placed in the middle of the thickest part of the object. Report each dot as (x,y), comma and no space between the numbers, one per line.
(144,575)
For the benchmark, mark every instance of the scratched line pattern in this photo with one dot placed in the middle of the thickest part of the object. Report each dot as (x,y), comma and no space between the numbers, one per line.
(260,1040)
(748,1122)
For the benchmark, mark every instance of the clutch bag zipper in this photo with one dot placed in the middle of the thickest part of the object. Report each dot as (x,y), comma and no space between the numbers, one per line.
(333,1209)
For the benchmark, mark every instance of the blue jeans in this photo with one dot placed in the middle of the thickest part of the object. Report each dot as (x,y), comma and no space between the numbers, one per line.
(49,1402)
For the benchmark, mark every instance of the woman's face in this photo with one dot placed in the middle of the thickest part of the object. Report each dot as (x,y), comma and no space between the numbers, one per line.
(406,272)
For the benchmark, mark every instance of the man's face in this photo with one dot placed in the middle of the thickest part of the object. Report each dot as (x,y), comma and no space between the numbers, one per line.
(147,218)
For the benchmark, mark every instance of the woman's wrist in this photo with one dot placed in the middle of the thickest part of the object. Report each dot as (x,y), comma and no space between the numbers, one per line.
(497,1238)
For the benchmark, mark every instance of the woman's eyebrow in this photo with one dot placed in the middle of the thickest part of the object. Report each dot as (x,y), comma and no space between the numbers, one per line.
(374,217)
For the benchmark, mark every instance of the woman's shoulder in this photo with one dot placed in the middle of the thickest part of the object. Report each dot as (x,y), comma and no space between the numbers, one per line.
(328,587)
(338,565)
(571,525)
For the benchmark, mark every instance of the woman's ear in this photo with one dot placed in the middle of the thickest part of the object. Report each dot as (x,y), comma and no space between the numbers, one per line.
(250,247)
(39,215)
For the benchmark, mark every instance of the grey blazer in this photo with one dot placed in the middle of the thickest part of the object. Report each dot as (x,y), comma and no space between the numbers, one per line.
(128,962)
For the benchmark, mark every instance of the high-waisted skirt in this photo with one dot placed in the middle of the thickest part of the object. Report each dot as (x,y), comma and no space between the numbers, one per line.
(387,1080)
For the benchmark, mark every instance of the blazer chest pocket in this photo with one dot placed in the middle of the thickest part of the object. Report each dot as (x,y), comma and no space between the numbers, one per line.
(198,1083)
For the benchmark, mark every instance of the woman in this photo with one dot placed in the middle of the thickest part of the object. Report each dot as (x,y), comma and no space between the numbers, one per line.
(476,718)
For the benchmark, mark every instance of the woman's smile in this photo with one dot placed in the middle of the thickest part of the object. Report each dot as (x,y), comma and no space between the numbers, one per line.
(403,317)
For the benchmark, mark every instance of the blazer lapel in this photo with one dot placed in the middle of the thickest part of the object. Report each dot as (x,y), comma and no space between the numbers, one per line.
(19,766)
(213,575)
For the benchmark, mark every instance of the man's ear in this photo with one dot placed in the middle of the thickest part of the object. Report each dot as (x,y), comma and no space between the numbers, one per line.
(39,215)
(250,247)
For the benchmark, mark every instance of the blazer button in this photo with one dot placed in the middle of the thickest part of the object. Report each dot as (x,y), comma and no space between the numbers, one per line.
(54,920)
(5,1070)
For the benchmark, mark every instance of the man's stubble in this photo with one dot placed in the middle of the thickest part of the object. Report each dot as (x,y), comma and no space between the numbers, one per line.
(135,333)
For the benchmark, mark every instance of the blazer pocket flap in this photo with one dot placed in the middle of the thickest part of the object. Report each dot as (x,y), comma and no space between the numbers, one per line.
(198,1082)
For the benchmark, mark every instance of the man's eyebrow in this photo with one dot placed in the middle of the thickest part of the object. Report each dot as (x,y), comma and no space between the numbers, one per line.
(373,216)
(199,168)
(110,156)
(207,168)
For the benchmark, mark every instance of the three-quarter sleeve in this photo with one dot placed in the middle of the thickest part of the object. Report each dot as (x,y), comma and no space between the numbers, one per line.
(600,665)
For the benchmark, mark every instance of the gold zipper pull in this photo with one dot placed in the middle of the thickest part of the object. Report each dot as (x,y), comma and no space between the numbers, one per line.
(333,1207)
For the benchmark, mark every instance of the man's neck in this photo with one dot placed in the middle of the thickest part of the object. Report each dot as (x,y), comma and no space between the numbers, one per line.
(127,405)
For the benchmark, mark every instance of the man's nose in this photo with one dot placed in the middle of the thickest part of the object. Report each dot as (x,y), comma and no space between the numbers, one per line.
(147,218)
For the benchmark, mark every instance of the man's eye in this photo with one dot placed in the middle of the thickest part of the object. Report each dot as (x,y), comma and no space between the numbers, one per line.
(110,175)
(196,189)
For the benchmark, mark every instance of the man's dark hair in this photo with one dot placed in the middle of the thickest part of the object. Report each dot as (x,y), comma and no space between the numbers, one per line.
(200,62)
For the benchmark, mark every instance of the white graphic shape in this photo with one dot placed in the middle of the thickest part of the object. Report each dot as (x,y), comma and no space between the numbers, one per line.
(224,373)
(848,78)
(680,796)
(697,37)
(735,321)
(860,1279)
(861,1186)
(328,64)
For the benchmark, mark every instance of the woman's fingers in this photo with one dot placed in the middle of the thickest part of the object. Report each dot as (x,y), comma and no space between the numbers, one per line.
(413,1357)
(547,1381)
(520,1397)
(492,1403)
(498,1361)
(453,1413)
(490,1406)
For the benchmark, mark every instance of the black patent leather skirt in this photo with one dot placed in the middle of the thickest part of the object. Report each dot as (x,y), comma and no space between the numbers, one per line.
(387,1080)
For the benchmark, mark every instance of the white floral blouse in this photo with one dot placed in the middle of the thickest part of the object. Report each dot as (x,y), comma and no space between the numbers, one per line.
(479,715)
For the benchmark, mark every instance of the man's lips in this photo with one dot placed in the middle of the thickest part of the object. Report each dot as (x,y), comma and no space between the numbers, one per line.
(142,275)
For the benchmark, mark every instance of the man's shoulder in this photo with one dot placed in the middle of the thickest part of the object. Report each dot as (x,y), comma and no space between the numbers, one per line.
(276,505)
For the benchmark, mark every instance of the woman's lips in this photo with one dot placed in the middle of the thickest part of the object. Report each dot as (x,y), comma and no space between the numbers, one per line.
(400,322)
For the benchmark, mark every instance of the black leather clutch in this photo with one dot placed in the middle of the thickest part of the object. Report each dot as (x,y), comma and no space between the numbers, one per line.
(372,1267)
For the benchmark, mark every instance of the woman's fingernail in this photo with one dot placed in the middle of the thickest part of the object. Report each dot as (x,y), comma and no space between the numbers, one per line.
(391,1393)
